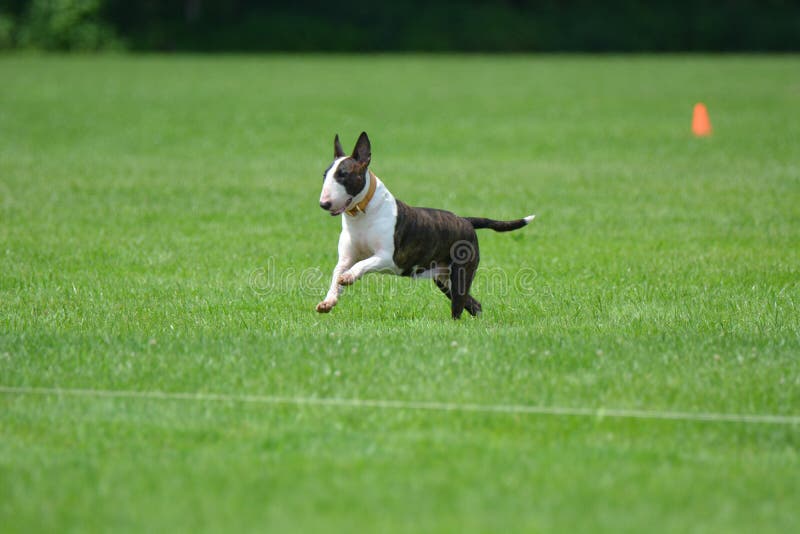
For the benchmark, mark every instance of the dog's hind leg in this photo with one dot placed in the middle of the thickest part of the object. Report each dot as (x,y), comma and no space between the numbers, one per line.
(472,306)
(444,286)
(460,281)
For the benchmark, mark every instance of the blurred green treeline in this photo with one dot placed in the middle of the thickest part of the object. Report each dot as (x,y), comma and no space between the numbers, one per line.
(413,25)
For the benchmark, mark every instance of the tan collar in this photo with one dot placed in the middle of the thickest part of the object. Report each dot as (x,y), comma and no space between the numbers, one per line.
(361,206)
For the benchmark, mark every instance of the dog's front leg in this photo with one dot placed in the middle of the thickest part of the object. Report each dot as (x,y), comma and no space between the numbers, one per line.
(346,260)
(378,262)
(333,293)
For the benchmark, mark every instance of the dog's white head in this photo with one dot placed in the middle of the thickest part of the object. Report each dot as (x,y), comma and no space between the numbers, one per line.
(346,177)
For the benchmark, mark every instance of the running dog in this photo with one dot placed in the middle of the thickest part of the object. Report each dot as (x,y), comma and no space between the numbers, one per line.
(382,234)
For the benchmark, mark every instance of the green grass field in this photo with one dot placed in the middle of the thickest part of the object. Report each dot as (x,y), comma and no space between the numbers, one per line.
(159,231)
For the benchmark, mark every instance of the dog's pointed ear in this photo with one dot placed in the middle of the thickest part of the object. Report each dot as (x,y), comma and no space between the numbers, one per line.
(362,153)
(338,151)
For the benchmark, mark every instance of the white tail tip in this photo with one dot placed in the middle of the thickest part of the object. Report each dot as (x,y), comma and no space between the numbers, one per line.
(529,219)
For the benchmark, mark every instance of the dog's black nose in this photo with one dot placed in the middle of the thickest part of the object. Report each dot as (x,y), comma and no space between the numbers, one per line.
(325,205)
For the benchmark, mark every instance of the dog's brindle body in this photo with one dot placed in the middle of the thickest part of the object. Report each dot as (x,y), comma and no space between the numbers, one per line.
(382,234)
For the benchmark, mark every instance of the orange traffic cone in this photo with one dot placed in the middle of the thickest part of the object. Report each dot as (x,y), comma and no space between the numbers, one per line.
(701,125)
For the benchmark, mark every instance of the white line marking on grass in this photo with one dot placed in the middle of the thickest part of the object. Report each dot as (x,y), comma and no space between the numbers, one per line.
(411,405)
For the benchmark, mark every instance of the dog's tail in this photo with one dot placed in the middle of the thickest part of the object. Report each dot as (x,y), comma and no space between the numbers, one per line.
(500,226)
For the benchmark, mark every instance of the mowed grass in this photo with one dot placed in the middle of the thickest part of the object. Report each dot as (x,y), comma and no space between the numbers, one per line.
(160,232)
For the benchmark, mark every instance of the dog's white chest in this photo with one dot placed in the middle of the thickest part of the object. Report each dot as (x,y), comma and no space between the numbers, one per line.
(372,233)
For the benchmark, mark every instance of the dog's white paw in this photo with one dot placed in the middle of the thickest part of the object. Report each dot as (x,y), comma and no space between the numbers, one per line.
(346,279)
(325,306)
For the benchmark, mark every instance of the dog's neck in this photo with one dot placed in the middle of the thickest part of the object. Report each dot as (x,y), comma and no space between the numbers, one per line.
(366,195)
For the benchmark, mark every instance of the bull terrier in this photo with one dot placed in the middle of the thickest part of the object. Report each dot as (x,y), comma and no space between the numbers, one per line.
(383,234)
